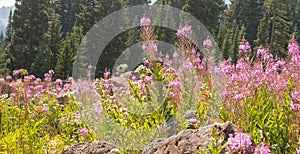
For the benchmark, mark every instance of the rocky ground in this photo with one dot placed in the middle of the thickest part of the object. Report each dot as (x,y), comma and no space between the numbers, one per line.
(185,142)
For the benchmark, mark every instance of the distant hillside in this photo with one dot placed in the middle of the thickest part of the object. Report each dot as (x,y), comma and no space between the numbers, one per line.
(4,13)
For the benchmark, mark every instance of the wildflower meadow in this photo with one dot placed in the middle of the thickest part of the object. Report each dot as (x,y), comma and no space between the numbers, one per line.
(259,93)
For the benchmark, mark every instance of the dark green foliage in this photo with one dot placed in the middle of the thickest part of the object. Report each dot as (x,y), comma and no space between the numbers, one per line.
(276,26)
(54,29)
(30,23)
(235,20)
(208,12)
(65,60)
(67,9)
(42,60)
(9,30)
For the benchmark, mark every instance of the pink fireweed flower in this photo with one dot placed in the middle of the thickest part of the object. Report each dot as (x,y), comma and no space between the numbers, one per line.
(59,81)
(51,72)
(175,54)
(172,94)
(239,141)
(45,108)
(294,107)
(98,110)
(2,80)
(38,95)
(106,74)
(262,52)
(184,31)
(67,86)
(207,43)
(148,79)
(145,21)
(174,84)
(151,46)
(47,77)
(8,78)
(293,47)
(296,96)
(84,131)
(15,73)
(244,46)
(133,78)
(71,79)
(262,149)
(38,80)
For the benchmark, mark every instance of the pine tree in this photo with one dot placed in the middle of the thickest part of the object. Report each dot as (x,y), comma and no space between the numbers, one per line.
(30,23)
(208,12)
(42,60)
(66,56)
(53,37)
(276,26)
(1,37)
(9,30)
(67,9)
(234,20)
(65,60)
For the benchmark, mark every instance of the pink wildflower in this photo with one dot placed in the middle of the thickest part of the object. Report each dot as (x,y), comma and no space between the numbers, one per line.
(145,21)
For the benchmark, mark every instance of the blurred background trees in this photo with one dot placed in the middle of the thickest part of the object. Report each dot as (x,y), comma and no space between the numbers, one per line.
(42,35)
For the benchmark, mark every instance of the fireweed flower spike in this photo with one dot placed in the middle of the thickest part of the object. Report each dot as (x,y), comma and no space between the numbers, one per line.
(294,107)
(244,47)
(145,21)
(293,47)
(184,31)
(262,149)
(207,43)
(84,131)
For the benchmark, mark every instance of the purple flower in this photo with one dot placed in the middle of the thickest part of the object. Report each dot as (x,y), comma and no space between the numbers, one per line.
(150,47)
(8,78)
(244,46)
(148,79)
(67,86)
(38,95)
(84,131)
(239,141)
(47,77)
(296,96)
(2,80)
(38,80)
(261,52)
(175,54)
(106,74)
(172,94)
(28,94)
(145,21)
(59,81)
(51,72)
(184,31)
(207,43)
(294,107)
(293,47)
(15,73)
(174,84)
(262,149)
(98,110)
(71,79)
(45,108)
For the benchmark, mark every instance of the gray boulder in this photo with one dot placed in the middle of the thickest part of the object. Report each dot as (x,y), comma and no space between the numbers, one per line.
(189,141)
(96,147)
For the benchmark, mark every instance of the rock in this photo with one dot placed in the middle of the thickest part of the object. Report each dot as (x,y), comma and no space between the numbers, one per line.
(190,114)
(189,141)
(96,147)
(193,124)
